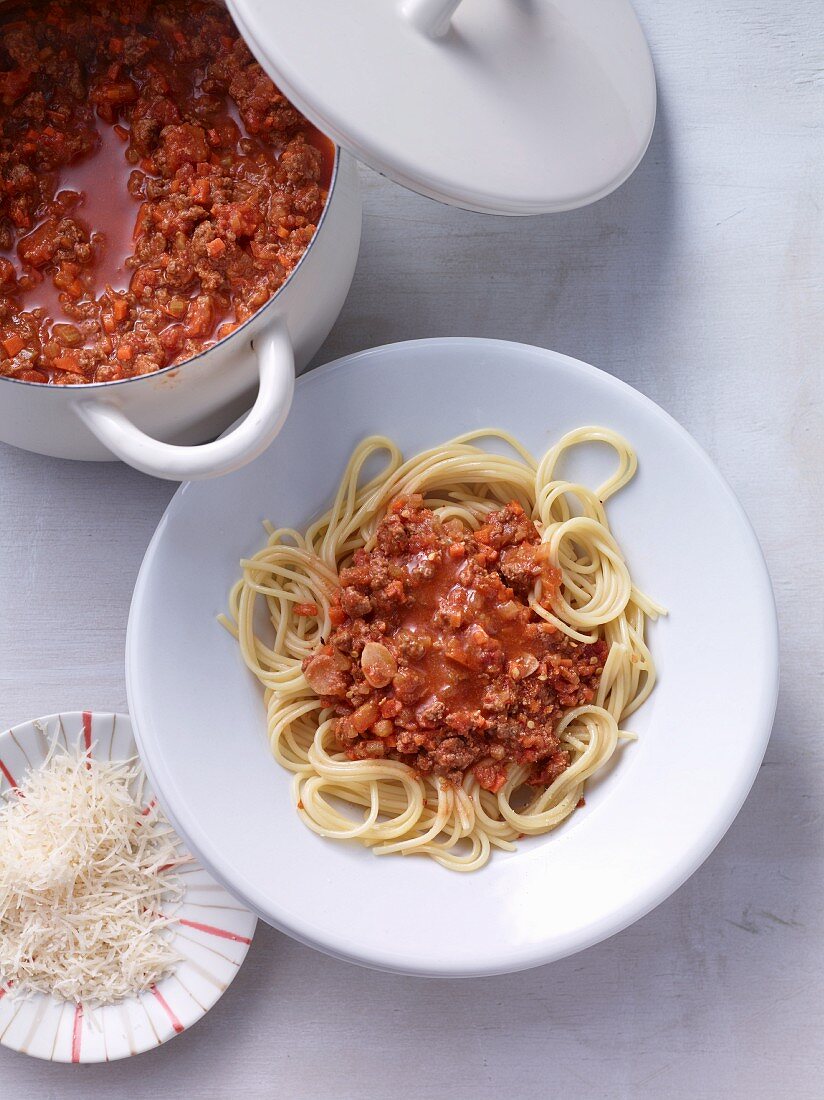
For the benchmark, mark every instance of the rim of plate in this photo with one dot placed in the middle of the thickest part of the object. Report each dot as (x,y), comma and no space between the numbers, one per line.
(213,937)
(509,957)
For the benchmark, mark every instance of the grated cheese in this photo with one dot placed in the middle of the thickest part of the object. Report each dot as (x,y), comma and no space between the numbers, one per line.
(84,872)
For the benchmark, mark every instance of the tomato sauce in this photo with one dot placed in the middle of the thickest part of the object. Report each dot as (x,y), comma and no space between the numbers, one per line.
(97,179)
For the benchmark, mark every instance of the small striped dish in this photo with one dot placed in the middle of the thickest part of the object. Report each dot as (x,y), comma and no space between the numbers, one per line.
(212,934)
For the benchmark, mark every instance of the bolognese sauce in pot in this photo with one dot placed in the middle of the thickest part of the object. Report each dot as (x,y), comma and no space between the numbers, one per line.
(156,188)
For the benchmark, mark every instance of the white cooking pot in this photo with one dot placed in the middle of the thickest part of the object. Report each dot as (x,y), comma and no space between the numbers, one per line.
(555,110)
(158,422)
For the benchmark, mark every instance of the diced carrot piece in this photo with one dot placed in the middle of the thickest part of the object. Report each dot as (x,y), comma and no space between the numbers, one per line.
(200,190)
(141,220)
(121,310)
(216,247)
(306,610)
(68,362)
(119,93)
(124,353)
(13,344)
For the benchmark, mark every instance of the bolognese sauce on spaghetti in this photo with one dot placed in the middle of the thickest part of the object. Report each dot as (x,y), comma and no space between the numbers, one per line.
(156,188)
(438,660)
(453,647)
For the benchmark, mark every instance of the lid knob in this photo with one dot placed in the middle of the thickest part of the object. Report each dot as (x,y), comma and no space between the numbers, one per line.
(430,17)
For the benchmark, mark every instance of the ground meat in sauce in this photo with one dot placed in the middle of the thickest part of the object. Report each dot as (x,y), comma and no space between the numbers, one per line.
(436,658)
(221,179)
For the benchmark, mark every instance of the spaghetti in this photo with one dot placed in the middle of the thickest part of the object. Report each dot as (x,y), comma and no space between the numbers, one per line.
(356,775)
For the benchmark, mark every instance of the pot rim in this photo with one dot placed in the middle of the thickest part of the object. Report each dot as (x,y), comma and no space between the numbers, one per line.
(83,387)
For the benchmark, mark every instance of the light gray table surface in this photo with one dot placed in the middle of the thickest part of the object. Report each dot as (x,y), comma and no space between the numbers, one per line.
(701,283)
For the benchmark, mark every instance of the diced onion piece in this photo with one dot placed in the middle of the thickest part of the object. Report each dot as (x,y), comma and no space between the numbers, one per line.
(378,664)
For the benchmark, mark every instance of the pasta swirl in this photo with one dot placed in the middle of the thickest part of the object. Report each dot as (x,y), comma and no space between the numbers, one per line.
(385,804)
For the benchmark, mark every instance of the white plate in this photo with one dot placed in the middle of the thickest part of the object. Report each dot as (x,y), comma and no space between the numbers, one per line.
(647,824)
(213,934)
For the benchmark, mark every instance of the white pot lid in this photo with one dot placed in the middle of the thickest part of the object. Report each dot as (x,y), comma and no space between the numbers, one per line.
(502,106)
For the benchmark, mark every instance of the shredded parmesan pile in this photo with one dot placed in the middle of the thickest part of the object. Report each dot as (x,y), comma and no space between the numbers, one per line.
(84,871)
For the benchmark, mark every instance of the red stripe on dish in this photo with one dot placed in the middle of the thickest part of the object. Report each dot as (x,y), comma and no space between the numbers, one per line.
(176,1024)
(7,774)
(146,811)
(77,1030)
(87,730)
(222,932)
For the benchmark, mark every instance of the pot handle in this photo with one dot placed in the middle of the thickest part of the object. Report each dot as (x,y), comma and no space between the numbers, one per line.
(276,368)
